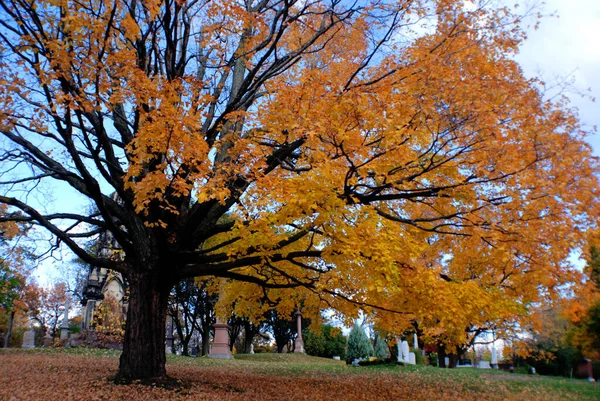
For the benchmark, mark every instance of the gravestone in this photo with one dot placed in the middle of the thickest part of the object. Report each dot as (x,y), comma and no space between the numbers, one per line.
(484,365)
(299,343)
(252,348)
(48,341)
(405,351)
(220,347)
(494,358)
(412,359)
(415,342)
(29,339)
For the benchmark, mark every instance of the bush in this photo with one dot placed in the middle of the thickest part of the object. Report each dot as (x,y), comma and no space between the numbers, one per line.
(335,342)
(359,345)
(433,358)
(419,358)
(314,344)
(327,344)
(377,362)
(261,349)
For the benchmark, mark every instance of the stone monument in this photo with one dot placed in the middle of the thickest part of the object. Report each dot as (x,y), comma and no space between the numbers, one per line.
(494,358)
(29,338)
(220,347)
(299,343)
(64,327)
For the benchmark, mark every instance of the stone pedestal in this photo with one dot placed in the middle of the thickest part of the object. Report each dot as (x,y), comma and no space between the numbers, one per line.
(220,347)
(299,343)
(29,339)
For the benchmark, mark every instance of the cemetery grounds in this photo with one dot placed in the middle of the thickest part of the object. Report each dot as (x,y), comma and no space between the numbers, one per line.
(84,374)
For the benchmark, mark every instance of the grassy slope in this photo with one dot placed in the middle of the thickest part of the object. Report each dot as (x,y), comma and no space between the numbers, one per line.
(81,374)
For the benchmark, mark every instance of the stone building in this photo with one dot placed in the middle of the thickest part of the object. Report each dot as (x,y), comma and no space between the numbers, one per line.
(102,283)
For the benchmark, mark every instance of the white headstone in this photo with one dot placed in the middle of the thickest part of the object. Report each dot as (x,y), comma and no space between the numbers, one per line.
(484,365)
(405,351)
(447,361)
(252,348)
(415,342)
(412,359)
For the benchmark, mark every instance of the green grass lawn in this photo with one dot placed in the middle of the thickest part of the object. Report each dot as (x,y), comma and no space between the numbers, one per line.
(276,376)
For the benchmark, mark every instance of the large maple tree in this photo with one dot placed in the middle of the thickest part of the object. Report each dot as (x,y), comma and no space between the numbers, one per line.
(377,154)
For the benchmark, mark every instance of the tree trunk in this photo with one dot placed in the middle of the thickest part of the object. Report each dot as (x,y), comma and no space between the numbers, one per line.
(453,359)
(143,354)
(249,333)
(441,357)
(205,338)
(185,346)
(9,330)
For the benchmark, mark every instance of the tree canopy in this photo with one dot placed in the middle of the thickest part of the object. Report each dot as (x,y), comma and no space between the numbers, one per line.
(388,156)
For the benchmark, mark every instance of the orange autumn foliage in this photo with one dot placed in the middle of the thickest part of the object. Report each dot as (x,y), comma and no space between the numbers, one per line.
(389,157)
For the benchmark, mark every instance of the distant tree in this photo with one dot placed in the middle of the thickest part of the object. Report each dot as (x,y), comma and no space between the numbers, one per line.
(11,285)
(281,328)
(359,345)
(584,309)
(13,275)
(46,306)
(192,308)
(593,265)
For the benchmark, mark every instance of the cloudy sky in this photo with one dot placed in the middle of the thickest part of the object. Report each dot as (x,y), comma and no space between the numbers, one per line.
(569,45)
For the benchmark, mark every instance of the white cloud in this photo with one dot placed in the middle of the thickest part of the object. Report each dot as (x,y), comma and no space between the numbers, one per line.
(569,44)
